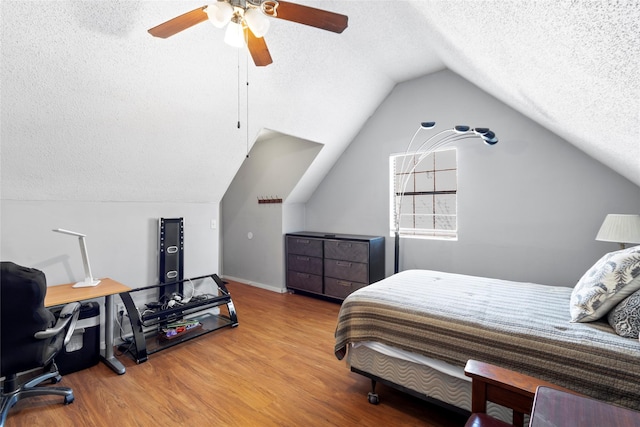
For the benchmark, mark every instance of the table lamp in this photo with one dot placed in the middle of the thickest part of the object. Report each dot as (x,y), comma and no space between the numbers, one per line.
(88,278)
(620,228)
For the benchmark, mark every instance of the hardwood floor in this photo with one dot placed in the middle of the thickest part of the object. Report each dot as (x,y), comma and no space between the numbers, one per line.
(276,368)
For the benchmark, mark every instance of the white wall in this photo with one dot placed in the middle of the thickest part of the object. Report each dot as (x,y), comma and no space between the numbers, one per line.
(122,238)
(529,207)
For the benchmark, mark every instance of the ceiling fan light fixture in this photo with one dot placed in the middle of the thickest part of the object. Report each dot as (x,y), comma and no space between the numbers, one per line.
(249,30)
(219,13)
(234,35)
(257,22)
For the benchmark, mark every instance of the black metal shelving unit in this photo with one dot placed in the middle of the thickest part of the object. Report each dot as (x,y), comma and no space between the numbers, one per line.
(153,321)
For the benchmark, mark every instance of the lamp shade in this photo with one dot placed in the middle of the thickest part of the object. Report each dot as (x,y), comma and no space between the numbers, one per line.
(257,22)
(219,13)
(234,35)
(490,138)
(620,229)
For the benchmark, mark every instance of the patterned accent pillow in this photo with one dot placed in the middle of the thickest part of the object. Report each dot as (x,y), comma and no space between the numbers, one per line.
(609,281)
(625,317)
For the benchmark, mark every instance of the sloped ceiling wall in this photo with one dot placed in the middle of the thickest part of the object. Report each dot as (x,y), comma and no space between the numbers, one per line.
(95,109)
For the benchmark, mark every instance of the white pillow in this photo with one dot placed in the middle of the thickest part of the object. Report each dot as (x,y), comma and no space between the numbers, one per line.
(613,278)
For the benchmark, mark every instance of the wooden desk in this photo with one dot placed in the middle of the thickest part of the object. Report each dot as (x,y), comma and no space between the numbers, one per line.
(556,408)
(107,288)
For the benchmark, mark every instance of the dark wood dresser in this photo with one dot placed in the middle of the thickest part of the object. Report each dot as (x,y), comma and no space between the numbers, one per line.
(333,265)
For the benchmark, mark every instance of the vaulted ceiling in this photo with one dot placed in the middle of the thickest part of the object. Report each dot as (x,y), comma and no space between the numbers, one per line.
(88,93)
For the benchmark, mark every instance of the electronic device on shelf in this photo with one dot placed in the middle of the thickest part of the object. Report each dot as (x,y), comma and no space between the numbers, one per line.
(167,313)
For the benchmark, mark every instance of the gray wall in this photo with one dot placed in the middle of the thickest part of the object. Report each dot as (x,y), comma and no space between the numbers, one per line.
(529,207)
(274,166)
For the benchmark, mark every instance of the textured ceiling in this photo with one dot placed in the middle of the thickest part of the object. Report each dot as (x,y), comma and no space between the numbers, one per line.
(572,66)
(87,93)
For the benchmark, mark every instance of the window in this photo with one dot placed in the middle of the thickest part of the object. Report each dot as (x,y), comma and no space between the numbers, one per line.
(424,191)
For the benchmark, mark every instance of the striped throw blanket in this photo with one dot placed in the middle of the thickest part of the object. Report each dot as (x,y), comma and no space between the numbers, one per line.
(521,326)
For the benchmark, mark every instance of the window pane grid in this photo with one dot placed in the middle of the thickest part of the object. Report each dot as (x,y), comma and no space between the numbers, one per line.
(428,206)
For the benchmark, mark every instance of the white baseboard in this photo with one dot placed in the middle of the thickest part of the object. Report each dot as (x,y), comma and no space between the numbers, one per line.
(271,288)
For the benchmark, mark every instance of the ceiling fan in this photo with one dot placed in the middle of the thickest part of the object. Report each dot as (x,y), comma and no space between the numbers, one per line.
(247,22)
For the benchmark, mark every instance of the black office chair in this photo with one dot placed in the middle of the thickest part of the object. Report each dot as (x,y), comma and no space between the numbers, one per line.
(30,336)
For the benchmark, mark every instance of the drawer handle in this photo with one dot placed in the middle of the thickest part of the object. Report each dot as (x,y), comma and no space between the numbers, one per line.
(304,242)
(302,258)
(343,283)
(305,276)
(343,264)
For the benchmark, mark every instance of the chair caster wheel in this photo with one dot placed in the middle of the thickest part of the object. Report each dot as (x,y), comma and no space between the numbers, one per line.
(373,398)
(68,400)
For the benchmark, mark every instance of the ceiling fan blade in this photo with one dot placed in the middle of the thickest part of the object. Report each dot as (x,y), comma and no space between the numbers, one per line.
(258,49)
(179,23)
(306,15)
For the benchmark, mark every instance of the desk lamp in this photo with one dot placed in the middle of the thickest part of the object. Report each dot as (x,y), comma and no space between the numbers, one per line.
(88,278)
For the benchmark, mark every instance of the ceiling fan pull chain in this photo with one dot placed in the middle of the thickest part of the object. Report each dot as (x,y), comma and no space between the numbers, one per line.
(238,79)
(246,68)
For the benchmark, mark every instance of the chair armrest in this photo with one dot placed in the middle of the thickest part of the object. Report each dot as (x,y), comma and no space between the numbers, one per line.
(504,387)
(68,316)
(69,310)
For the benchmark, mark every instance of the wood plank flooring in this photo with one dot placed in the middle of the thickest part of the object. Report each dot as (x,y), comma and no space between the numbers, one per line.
(276,368)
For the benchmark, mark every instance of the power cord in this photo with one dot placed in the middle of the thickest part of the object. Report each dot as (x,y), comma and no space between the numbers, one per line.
(127,343)
(193,292)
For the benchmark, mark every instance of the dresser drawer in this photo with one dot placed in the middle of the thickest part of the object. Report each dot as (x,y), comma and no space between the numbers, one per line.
(340,288)
(304,264)
(345,250)
(304,246)
(304,281)
(347,270)
(334,265)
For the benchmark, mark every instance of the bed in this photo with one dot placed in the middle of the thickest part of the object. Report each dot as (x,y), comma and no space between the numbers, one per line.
(416,329)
